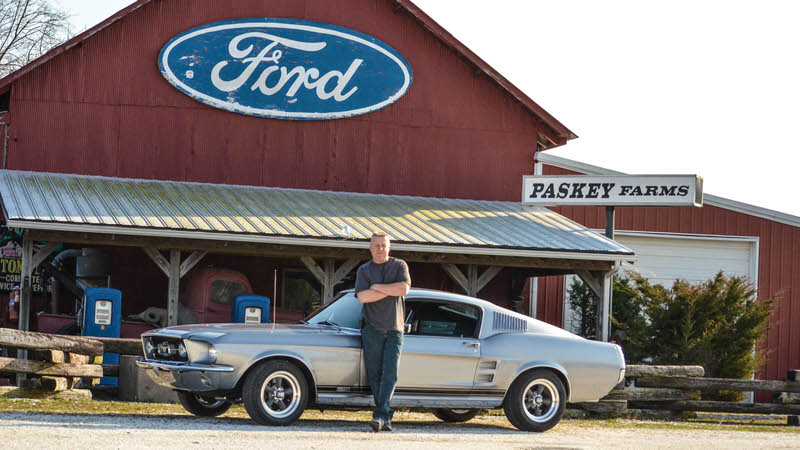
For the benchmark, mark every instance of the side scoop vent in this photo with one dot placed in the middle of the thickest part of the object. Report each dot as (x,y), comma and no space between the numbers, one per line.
(505,322)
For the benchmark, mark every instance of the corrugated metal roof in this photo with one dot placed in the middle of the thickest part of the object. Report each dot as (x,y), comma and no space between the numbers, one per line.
(103,205)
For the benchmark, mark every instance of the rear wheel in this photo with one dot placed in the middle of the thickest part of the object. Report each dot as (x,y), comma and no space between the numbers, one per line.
(275,393)
(455,415)
(535,401)
(203,406)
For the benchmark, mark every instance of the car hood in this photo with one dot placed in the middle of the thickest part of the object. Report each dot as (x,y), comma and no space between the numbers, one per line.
(216,330)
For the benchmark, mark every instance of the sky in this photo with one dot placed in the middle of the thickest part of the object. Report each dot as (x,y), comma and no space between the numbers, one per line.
(671,87)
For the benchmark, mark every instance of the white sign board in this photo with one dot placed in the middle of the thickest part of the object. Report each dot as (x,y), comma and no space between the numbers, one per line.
(613,190)
(252,315)
(102,312)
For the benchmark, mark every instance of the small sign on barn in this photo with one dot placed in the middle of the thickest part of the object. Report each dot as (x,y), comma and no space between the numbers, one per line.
(615,190)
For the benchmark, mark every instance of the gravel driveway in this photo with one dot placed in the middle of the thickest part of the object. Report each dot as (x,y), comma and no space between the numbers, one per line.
(347,430)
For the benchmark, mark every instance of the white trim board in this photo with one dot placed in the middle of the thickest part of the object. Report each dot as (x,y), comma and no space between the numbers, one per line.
(315,242)
(713,200)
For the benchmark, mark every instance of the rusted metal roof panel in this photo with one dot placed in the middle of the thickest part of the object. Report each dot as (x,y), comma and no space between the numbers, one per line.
(101,202)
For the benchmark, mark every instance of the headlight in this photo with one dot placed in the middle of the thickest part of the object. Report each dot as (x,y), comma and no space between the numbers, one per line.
(182,350)
(148,348)
(212,354)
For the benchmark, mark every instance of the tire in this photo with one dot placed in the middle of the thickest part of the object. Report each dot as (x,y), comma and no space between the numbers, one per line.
(455,415)
(202,406)
(536,401)
(275,393)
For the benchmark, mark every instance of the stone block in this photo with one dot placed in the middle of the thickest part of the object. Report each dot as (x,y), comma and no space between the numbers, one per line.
(136,386)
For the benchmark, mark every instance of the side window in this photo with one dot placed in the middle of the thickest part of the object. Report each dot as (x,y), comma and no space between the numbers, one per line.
(436,318)
(224,291)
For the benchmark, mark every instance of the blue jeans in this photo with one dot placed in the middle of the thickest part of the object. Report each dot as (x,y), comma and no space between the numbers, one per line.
(382,358)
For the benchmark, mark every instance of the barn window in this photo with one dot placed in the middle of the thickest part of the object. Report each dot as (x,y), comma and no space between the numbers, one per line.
(5,101)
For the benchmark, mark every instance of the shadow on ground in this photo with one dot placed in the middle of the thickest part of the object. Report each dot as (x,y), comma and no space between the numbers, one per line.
(186,423)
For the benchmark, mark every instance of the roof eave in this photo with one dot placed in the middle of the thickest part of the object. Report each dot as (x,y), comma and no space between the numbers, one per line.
(319,242)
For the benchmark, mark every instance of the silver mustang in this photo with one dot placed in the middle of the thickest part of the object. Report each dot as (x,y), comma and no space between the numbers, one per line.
(460,354)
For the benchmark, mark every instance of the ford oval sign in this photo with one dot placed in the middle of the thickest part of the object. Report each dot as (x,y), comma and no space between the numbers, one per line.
(285,69)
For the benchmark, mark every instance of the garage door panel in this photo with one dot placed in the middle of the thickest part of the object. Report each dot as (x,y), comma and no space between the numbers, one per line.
(662,259)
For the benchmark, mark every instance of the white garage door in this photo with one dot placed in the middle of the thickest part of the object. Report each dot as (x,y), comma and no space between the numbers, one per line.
(663,258)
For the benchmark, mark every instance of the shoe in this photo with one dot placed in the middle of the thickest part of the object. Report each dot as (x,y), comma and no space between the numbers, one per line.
(376,424)
(387,426)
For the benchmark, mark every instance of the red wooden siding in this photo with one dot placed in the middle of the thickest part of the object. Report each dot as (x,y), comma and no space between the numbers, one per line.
(104,108)
(778,268)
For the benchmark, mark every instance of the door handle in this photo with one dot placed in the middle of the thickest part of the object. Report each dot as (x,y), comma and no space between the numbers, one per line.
(472,344)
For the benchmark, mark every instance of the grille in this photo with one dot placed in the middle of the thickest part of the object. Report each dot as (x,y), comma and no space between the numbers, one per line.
(163,349)
(506,322)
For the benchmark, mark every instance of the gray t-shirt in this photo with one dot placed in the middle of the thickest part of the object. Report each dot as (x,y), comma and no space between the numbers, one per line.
(387,313)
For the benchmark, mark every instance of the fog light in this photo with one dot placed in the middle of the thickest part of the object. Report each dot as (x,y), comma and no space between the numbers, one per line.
(212,354)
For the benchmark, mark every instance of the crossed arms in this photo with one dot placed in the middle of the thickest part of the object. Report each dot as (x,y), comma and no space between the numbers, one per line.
(380,291)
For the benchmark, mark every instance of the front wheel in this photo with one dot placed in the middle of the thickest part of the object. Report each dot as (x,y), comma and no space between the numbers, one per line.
(536,401)
(455,415)
(203,406)
(275,393)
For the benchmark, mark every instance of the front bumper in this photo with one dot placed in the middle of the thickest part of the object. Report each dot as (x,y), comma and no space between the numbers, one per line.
(188,377)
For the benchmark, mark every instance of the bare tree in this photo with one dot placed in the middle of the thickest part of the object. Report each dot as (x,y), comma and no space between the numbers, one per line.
(28,29)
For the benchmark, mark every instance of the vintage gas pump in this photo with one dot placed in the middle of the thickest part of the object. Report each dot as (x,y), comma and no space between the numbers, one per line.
(101,316)
(250,309)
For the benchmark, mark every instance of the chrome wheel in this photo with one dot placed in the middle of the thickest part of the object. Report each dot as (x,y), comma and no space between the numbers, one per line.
(280,394)
(540,400)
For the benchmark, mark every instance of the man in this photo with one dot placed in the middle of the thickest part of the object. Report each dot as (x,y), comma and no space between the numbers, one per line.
(381,285)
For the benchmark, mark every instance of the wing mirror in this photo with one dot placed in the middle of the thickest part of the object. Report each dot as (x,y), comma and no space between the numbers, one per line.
(407,328)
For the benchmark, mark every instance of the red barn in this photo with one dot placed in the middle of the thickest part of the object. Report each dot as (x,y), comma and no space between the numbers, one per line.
(99,105)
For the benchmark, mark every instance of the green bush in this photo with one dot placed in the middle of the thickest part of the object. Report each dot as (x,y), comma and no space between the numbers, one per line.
(715,324)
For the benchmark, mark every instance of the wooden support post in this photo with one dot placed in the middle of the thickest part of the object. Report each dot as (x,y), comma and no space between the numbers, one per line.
(174,286)
(471,284)
(329,266)
(158,259)
(191,261)
(604,309)
(328,276)
(25,295)
(44,252)
(601,284)
(174,270)
(487,276)
(455,273)
(610,222)
(472,280)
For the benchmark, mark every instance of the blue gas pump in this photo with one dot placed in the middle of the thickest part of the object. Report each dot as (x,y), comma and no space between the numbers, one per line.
(250,309)
(102,317)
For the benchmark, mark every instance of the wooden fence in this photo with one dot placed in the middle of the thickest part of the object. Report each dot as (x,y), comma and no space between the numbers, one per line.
(59,362)
(679,389)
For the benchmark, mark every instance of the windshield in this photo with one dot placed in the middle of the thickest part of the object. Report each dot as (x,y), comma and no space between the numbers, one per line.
(344,311)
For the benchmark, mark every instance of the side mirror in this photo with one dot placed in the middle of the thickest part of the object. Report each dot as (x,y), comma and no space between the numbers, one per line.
(407,328)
